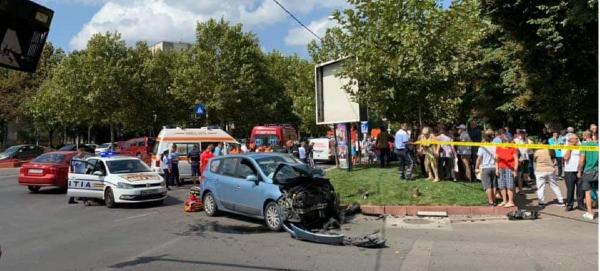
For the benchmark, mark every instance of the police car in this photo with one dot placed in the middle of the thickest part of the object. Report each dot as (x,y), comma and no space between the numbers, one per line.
(116,179)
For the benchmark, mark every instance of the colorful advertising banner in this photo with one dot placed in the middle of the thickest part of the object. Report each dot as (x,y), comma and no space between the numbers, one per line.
(342,145)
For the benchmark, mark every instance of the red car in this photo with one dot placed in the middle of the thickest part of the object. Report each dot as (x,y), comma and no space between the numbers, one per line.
(48,169)
(140,147)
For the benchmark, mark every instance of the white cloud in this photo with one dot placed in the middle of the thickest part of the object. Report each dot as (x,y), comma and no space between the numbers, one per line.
(156,20)
(299,36)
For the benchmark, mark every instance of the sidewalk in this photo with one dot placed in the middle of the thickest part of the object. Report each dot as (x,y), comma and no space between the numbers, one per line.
(529,201)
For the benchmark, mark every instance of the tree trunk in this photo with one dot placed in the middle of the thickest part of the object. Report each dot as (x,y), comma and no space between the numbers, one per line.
(420,117)
(112,134)
(50,135)
(64,135)
(89,131)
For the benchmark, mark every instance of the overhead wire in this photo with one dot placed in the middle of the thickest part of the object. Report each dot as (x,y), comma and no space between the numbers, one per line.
(296,19)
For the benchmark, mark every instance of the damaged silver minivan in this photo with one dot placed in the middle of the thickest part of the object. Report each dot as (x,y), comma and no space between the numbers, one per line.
(275,187)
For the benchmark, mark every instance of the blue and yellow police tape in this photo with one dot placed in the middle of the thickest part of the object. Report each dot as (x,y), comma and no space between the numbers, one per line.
(508,145)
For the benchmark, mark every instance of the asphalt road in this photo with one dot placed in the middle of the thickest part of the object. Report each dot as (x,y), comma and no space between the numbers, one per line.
(42,232)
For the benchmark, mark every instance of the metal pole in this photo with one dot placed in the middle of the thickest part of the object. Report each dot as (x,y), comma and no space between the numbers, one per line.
(348,146)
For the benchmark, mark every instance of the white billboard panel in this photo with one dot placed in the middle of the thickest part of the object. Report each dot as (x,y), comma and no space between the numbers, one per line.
(333,103)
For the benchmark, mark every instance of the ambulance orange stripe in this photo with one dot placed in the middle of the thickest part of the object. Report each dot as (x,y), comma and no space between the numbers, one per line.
(185,139)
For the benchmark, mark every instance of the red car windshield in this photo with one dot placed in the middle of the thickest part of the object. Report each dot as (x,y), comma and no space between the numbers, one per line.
(50,158)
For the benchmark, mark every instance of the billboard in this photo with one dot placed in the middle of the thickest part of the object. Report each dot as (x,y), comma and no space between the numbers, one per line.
(333,103)
(24,27)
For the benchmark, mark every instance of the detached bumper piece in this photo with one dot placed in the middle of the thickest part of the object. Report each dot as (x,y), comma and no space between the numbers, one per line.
(522,214)
(302,234)
(373,240)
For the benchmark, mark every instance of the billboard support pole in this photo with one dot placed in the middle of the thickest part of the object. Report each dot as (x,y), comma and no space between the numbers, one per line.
(349,146)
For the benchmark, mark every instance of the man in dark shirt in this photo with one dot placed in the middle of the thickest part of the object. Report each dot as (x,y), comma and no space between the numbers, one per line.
(194,157)
(382,144)
(475,135)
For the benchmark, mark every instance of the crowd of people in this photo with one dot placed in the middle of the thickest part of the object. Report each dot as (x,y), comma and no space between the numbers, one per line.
(199,159)
(503,171)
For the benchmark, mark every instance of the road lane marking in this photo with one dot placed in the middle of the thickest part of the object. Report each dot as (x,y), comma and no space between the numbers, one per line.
(419,257)
(135,216)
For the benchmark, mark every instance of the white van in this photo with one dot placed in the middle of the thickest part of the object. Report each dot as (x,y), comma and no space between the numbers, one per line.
(185,139)
(323,149)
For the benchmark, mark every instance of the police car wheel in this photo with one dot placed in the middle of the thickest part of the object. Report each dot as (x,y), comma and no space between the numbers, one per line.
(109,199)
(33,188)
(210,205)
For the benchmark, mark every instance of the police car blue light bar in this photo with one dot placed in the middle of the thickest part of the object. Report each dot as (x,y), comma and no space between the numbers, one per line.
(107,154)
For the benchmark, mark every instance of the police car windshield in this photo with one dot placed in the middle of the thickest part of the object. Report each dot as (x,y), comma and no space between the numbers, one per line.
(126,166)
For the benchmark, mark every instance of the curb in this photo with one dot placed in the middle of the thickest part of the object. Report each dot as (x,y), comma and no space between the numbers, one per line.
(411,210)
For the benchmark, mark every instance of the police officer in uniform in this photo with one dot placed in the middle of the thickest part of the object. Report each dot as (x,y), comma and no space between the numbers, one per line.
(174,166)
(194,157)
(78,166)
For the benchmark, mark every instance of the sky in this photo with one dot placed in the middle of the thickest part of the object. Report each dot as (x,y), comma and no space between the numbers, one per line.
(75,21)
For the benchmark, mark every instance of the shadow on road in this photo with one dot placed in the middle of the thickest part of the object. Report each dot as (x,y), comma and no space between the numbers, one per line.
(50,191)
(163,258)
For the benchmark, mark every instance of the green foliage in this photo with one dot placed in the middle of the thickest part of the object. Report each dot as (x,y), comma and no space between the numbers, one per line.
(411,58)
(228,73)
(554,48)
(503,61)
(295,79)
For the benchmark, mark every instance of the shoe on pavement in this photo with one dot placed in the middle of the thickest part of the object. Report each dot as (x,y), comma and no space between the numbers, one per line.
(541,204)
(561,204)
(568,209)
(588,216)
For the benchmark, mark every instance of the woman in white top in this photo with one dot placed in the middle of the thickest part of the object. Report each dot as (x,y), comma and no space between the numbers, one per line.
(571,163)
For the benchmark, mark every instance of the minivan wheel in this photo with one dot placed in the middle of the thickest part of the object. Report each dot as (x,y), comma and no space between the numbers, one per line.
(273,216)
(109,198)
(33,188)
(210,205)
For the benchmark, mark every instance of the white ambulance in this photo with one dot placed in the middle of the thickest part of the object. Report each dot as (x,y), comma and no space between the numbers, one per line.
(323,149)
(185,139)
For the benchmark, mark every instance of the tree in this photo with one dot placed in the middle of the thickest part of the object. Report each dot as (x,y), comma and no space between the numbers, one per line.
(410,58)
(16,88)
(226,71)
(295,79)
(556,44)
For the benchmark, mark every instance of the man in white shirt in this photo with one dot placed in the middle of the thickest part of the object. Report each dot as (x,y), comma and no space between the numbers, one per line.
(400,147)
(302,152)
(572,182)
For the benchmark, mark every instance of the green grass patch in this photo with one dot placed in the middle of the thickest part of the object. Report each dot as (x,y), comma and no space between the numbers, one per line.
(385,188)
